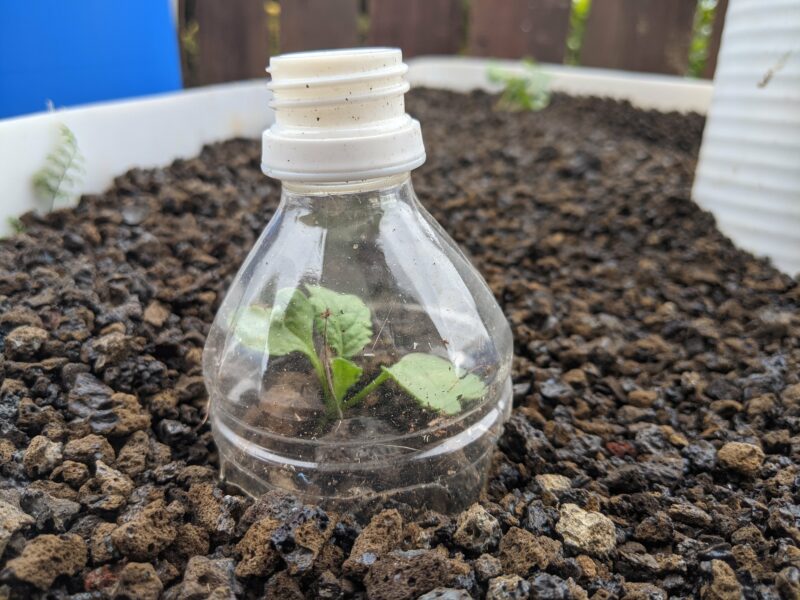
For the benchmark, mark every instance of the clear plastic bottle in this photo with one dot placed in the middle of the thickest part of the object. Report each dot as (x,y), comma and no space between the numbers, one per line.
(358,355)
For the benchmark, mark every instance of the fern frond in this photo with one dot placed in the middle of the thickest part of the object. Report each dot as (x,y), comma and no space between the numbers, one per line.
(62,170)
(526,91)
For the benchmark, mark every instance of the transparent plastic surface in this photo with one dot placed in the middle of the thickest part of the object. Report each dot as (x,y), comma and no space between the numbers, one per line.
(358,355)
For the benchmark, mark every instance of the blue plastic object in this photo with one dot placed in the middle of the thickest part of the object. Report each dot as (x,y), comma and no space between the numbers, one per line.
(69,52)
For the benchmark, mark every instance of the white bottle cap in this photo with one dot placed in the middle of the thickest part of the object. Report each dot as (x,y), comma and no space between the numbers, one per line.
(340,116)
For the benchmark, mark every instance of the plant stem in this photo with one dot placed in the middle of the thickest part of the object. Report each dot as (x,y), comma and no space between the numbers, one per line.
(330,401)
(366,390)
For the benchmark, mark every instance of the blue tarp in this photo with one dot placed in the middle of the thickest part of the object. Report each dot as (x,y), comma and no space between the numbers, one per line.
(69,52)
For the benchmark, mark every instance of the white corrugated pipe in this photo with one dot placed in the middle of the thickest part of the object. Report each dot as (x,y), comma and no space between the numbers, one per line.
(748,174)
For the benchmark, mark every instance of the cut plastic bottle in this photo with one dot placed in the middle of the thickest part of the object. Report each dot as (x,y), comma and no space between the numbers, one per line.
(358,356)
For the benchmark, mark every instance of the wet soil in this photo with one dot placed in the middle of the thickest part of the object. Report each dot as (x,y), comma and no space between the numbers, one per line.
(653,450)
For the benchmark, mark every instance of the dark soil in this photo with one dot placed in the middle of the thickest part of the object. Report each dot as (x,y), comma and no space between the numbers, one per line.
(654,447)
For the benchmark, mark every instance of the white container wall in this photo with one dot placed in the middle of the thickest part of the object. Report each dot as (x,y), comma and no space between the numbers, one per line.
(748,174)
(151,132)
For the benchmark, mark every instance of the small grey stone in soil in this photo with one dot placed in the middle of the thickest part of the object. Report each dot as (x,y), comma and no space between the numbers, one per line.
(702,455)
(508,587)
(12,519)
(173,432)
(539,518)
(521,390)
(477,530)
(652,440)
(89,396)
(587,531)
(300,539)
(553,389)
(441,593)
(50,512)
(487,566)
(548,587)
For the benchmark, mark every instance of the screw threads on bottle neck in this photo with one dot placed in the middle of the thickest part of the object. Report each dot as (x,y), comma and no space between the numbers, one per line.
(340,116)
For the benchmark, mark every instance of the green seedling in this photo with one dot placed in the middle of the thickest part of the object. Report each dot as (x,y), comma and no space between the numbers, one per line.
(62,171)
(17,225)
(342,323)
(528,90)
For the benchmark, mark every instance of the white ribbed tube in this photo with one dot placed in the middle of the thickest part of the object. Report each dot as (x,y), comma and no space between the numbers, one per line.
(748,174)
(340,116)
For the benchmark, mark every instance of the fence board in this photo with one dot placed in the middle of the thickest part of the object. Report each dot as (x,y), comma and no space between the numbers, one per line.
(318,24)
(417,26)
(716,38)
(639,35)
(519,28)
(232,40)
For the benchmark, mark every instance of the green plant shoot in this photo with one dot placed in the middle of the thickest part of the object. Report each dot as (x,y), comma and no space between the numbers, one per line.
(343,324)
(62,171)
(528,90)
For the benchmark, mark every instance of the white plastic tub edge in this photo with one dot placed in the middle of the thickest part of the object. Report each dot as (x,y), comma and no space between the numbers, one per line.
(152,132)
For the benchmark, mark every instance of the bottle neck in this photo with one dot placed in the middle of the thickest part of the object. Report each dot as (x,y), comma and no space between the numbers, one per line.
(378,185)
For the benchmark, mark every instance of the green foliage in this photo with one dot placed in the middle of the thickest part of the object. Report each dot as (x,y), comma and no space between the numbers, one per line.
(434,382)
(62,171)
(345,375)
(343,324)
(577,28)
(343,318)
(521,91)
(701,37)
(17,225)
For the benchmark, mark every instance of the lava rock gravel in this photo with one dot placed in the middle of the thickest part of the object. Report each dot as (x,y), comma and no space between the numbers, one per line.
(654,446)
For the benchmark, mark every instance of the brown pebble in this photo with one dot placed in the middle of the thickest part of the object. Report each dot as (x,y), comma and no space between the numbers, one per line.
(384,531)
(521,552)
(23,343)
(642,398)
(156,314)
(723,584)
(741,457)
(139,581)
(72,473)
(258,557)
(42,456)
(89,449)
(147,533)
(46,557)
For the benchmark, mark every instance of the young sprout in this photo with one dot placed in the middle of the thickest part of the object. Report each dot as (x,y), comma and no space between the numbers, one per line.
(62,171)
(343,326)
(528,90)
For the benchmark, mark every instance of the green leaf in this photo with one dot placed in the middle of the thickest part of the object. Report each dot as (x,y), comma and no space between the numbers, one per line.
(434,383)
(252,326)
(343,319)
(345,375)
(288,324)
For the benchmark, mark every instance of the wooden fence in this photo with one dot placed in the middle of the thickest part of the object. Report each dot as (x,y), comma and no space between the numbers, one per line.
(232,39)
